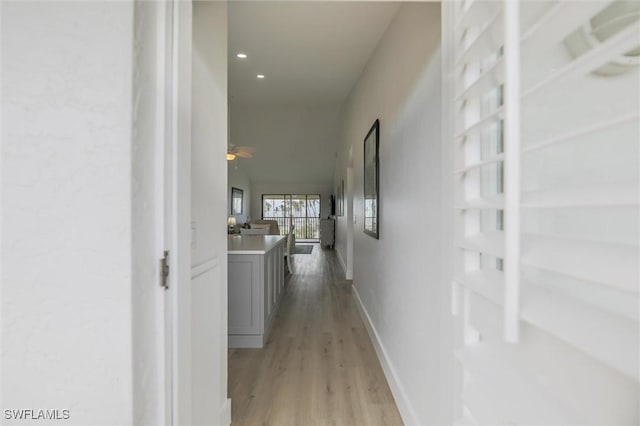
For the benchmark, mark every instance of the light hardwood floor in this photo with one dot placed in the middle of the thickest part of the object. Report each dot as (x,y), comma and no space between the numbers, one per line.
(318,366)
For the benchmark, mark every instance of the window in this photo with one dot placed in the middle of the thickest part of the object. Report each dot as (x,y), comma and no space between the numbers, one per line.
(303,211)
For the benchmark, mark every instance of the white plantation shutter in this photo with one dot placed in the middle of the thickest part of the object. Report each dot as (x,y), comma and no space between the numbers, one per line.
(545,146)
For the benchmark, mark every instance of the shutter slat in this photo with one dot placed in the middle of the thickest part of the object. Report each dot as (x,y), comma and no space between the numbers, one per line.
(492,77)
(477,11)
(613,195)
(480,124)
(560,20)
(493,202)
(612,339)
(487,283)
(489,39)
(600,55)
(615,265)
(497,381)
(485,242)
(595,295)
(497,159)
(609,338)
(631,117)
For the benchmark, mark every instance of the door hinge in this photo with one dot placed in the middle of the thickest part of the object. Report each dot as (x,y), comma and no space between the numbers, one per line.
(164,270)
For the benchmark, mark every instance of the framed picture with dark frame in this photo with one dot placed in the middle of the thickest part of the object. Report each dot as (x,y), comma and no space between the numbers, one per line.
(236,200)
(372,181)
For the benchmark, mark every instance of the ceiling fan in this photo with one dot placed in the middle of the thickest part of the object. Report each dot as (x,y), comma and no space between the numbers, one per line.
(239,151)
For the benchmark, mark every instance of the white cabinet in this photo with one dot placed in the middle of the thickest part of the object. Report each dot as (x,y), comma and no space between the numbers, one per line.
(256,285)
(327,232)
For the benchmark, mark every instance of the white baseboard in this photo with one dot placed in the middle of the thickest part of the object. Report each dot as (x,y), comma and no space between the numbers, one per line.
(225,413)
(404,406)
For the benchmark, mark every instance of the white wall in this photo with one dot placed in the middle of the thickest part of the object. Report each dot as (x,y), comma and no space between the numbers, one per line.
(398,277)
(258,189)
(82,309)
(238,178)
(295,152)
(66,211)
(209,215)
(294,143)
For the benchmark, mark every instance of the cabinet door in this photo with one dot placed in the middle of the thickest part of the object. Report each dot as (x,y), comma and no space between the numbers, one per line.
(244,294)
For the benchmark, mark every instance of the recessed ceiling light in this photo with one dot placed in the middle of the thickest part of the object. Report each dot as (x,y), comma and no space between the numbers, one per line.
(260,76)
(242,55)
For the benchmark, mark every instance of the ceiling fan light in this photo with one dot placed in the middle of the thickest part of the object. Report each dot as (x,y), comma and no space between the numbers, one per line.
(231,156)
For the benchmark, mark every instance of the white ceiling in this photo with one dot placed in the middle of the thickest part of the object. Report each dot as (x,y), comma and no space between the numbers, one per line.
(312,54)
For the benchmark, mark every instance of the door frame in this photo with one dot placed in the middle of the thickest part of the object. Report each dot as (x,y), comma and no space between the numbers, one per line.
(350,223)
(174,212)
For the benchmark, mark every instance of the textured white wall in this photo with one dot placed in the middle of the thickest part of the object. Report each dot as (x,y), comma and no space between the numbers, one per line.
(66,212)
(398,277)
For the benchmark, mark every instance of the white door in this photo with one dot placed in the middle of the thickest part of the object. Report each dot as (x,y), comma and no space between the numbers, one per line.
(195,213)
(209,404)
(165,178)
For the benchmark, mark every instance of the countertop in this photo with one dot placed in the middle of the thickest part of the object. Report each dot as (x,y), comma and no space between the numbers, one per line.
(253,244)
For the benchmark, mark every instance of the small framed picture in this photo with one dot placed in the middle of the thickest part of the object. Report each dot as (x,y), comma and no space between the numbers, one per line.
(236,201)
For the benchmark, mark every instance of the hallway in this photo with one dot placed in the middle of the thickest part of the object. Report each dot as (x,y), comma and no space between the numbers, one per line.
(318,366)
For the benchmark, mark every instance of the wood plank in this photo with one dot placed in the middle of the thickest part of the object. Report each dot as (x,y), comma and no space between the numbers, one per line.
(318,366)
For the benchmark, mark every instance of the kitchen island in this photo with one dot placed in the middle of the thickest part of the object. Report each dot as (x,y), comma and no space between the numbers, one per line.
(256,285)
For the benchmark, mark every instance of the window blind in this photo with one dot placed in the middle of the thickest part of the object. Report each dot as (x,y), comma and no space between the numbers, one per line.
(545,146)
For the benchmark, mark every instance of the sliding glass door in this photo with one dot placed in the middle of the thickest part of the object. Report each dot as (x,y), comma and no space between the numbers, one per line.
(301,210)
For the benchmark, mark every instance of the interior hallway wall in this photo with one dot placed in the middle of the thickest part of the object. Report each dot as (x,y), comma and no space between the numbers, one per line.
(66,208)
(397,278)
(80,312)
